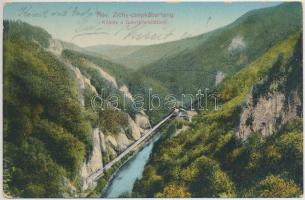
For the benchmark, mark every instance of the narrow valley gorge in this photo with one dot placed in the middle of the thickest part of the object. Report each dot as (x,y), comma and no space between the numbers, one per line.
(216,115)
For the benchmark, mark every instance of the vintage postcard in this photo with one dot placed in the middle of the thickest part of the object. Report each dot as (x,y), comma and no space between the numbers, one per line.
(152,99)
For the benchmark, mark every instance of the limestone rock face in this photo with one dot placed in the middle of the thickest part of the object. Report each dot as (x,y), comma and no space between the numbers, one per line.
(95,162)
(133,131)
(55,46)
(126,92)
(71,192)
(268,113)
(107,145)
(142,120)
(219,77)
(82,82)
(111,151)
(111,141)
(103,142)
(119,141)
(182,129)
(122,141)
(106,76)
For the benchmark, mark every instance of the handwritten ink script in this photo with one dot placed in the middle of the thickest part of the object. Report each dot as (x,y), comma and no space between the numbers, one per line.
(154,26)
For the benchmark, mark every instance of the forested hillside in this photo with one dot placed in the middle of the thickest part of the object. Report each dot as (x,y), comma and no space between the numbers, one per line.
(219,53)
(212,160)
(46,134)
(59,127)
(206,60)
(136,82)
(223,51)
(116,53)
(53,136)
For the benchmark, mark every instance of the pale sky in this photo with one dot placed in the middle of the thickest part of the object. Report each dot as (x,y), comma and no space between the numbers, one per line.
(87,24)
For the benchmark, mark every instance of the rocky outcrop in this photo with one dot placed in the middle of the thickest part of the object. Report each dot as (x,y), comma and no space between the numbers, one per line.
(219,77)
(95,162)
(126,92)
(182,129)
(82,81)
(111,141)
(106,76)
(266,114)
(110,144)
(55,46)
(237,44)
(133,131)
(104,144)
(122,141)
(71,190)
(142,120)
(118,142)
(191,114)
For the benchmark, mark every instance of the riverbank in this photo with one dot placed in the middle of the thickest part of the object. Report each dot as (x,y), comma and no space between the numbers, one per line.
(103,182)
(123,180)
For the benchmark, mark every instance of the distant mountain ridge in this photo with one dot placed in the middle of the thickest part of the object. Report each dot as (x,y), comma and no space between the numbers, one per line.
(136,57)
(115,53)
(52,137)
(226,50)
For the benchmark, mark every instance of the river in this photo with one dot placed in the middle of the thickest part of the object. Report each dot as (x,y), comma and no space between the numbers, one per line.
(124,179)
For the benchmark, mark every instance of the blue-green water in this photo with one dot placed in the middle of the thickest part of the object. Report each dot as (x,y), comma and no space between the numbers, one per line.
(123,181)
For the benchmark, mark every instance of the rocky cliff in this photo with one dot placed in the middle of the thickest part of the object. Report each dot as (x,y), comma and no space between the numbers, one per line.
(106,144)
(268,114)
(276,99)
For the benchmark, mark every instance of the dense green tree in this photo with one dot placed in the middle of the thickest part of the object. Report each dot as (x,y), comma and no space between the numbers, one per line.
(274,186)
(209,180)
(210,161)
(46,133)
